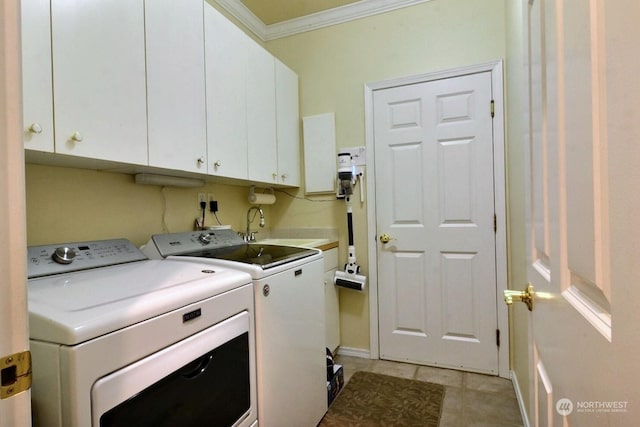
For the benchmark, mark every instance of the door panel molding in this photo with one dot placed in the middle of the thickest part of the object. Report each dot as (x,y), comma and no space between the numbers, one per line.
(407,117)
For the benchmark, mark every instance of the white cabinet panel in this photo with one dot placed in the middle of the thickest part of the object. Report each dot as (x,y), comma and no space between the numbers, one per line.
(176,84)
(288,125)
(36,75)
(99,79)
(319,135)
(261,115)
(226,65)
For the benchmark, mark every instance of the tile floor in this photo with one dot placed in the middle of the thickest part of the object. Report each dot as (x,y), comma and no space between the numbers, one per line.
(471,400)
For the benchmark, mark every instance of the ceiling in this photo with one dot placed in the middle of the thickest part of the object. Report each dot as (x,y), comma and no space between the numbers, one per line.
(272,19)
(274,11)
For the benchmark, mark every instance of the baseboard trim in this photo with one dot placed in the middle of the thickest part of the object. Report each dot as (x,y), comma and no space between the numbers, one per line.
(521,405)
(354,352)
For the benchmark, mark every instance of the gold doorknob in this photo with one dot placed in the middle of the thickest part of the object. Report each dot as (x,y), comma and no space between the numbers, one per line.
(385,238)
(525,296)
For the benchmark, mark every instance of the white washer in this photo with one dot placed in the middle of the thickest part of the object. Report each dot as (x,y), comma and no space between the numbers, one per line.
(290,324)
(117,339)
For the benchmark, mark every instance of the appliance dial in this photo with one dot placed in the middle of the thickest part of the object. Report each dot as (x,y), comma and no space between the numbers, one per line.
(64,255)
(205,238)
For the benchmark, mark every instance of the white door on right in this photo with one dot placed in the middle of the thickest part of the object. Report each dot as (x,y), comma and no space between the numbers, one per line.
(435,198)
(584,323)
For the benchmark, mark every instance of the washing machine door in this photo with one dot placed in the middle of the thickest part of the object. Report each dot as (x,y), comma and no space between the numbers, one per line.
(203,380)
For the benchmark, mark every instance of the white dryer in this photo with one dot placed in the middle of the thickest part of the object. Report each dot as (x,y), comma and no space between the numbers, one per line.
(118,339)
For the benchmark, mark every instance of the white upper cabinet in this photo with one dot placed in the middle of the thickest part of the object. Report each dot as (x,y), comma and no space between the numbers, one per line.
(226,62)
(288,125)
(247,116)
(177,131)
(36,79)
(261,115)
(99,79)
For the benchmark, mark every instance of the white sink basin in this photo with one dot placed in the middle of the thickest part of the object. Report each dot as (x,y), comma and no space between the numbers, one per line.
(286,241)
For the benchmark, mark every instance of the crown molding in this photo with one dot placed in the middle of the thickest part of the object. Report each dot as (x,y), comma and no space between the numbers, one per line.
(245,16)
(338,15)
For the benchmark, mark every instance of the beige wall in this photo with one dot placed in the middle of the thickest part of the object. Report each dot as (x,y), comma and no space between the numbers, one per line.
(334,64)
(66,204)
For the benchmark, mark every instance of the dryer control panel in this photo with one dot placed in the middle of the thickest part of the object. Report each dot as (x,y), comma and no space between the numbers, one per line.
(60,258)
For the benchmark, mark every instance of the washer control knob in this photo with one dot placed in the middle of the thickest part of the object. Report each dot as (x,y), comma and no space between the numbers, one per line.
(64,255)
(205,238)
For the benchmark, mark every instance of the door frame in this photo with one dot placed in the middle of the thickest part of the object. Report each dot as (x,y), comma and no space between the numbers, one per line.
(14,334)
(499,161)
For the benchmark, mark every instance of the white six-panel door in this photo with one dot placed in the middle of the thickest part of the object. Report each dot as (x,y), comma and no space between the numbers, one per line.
(584,322)
(435,197)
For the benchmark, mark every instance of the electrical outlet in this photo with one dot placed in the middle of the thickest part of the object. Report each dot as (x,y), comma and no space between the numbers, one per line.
(202,198)
(213,203)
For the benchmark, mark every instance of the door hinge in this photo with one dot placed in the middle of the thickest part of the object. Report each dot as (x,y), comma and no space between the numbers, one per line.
(498,337)
(495,223)
(493,109)
(15,374)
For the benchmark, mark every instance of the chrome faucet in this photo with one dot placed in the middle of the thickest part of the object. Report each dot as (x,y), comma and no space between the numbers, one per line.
(249,236)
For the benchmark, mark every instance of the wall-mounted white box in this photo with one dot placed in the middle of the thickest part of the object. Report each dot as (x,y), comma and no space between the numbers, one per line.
(320,156)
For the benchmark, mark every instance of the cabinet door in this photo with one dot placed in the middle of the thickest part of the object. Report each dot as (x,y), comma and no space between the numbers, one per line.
(261,115)
(99,79)
(175,84)
(288,125)
(36,75)
(226,63)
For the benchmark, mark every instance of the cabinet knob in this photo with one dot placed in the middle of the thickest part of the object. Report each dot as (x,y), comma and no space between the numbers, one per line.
(284,176)
(201,161)
(217,164)
(274,175)
(76,137)
(35,128)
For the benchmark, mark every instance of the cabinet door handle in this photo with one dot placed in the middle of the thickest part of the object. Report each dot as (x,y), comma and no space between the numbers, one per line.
(76,137)
(217,164)
(200,161)
(35,128)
